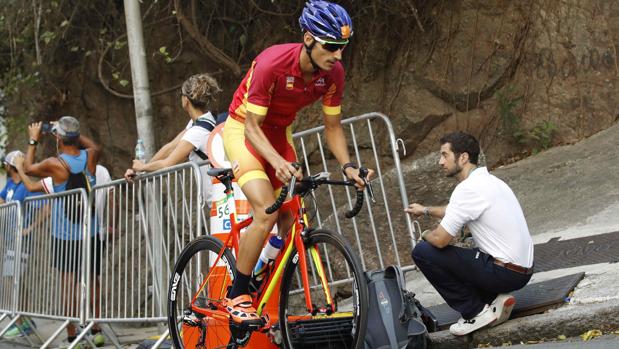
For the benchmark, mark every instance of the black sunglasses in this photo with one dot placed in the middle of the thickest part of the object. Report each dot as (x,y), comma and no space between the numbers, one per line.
(331,46)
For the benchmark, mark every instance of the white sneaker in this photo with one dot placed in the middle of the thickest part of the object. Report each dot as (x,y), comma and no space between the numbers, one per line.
(484,318)
(502,307)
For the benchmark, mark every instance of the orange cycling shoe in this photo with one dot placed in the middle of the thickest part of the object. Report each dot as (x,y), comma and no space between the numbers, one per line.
(241,310)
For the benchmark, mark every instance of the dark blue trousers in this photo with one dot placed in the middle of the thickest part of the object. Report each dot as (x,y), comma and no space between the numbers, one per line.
(466,278)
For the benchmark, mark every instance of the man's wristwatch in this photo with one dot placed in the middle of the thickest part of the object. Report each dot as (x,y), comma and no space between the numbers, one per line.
(33,142)
(426,211)
(347,165)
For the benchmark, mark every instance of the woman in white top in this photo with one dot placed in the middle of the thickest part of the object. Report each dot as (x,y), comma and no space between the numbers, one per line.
(198,95)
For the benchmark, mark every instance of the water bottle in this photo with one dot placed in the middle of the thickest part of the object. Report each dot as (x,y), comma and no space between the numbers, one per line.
(140,152)
(269,253)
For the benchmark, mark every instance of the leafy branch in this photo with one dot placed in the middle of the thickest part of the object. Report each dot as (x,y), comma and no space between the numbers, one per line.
(538,137)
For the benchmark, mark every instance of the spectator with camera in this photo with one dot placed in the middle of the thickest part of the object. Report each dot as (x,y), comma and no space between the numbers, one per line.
(74,166)
(198,97)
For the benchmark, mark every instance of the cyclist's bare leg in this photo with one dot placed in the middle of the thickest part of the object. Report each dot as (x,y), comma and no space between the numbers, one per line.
(260,195)
(284,223)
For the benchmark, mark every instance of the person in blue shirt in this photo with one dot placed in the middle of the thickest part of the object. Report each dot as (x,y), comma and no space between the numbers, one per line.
(14,190)
(76,154)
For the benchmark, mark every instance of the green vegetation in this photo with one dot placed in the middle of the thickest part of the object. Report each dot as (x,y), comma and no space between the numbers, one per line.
(536,138)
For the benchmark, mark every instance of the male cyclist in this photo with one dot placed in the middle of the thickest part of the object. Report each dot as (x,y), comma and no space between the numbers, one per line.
(258,135)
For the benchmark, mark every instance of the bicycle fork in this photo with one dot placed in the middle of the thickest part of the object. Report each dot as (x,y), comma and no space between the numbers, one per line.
(317,261)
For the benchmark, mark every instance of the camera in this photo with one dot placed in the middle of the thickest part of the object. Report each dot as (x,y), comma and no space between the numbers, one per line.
(46,127)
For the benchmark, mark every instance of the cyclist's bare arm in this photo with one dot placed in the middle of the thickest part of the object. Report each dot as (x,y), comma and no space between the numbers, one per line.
(336,140)
(253,133)
(434,211)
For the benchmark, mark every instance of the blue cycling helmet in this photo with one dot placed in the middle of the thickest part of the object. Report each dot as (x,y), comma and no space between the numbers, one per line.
(324,19)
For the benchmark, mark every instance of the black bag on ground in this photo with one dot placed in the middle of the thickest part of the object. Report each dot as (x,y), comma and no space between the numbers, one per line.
(394,320)
(74,212)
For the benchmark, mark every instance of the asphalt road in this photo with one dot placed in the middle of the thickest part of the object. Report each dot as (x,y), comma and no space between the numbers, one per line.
(604,342)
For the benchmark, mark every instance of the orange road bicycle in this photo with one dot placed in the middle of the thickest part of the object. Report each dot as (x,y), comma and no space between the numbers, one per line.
(323,292)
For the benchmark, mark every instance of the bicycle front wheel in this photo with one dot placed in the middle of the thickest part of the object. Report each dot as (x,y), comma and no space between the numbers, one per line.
(198,284)
(339,323)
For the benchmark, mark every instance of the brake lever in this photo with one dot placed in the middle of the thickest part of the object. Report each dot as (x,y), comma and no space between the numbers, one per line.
(291,185)
(363,173)
(321,176)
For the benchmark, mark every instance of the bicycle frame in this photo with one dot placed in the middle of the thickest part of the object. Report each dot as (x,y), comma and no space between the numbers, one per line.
(294,238)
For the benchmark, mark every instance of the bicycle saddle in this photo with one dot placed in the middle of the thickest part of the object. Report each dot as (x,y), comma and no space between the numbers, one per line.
(217,172)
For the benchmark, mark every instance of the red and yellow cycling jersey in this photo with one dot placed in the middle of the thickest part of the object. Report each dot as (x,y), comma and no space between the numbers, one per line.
(274,87)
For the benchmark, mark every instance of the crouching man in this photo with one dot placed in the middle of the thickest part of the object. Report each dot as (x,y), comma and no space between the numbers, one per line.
(475,282)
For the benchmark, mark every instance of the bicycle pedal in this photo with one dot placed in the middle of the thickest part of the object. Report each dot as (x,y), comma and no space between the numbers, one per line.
(240,333)
(254,326)
(247,326)
(266,323)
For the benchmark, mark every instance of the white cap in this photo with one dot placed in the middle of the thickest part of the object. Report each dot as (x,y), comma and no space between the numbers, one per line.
(9,159)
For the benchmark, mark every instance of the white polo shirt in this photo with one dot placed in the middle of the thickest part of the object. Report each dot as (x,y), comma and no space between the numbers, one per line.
(198,137)
(492,212)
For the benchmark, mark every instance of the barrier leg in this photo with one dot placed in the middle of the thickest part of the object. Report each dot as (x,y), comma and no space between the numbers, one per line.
(81,335)
(34,330)
(111,335)
(162,338)
(51,339)
(13,321)
(4,316)
(9,325)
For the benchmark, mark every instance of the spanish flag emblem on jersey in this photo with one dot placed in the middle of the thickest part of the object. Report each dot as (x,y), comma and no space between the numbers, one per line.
(289,82)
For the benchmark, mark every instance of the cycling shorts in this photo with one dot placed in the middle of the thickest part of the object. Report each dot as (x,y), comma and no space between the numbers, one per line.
(250,164)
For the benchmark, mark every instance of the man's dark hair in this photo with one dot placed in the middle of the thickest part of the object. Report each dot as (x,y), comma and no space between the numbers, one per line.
(463,143)
(71,141)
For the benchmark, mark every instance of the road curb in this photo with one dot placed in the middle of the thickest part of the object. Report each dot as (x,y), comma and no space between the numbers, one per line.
(571,320)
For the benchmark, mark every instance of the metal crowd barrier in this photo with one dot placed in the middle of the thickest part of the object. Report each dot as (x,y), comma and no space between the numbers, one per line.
(138,230)
(10,227)
(144,226)
(50,280)
(41,282)
(382,234)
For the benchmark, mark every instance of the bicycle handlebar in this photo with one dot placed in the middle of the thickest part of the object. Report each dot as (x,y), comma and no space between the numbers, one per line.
(358,205)
(314,182)
(363,173)
(282,195)
(279,201)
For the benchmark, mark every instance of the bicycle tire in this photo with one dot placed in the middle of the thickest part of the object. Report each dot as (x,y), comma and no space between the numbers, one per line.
(179,299)
(289,328)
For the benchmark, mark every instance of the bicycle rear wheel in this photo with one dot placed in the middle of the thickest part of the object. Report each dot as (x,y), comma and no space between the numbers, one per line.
(197,275)
(344,324)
